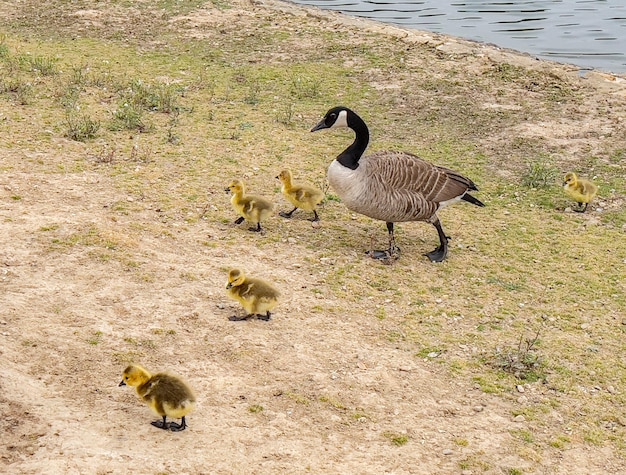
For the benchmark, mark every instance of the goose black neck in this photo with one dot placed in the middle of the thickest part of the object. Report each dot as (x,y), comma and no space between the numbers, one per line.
(350,156)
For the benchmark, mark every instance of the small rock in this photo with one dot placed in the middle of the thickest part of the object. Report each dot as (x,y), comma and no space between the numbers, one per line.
(519,418)
(520,388)
(316,224)
(611,389)
(522,400)
(478,408)
(584,326)
(220,306)
(433,354)
(447,452)
(467,472)
(291,240)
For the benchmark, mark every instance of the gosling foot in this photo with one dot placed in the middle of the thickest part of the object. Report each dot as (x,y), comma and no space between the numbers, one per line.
(176,427)
(161,424)
(266,318)
(236,318)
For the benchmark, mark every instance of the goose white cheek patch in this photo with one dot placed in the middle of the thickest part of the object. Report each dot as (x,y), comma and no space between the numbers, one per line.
(342,120)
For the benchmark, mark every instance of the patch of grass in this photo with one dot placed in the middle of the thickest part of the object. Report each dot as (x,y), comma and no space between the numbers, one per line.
(255,408)
(396,439)
(522,361)
(129,116)
(540,173)
(80,127)
(95,339)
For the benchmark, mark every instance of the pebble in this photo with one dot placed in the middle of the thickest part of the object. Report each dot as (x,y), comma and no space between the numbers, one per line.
(584,326)
(291,240)
(316,224)
(447,452)
(611,389)
(522,399)
(467,472)
(519,418)
(479,408)
(520,388)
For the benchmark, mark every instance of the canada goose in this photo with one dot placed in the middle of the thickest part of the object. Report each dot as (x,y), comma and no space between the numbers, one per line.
(392,186)
(253,208)
(255,295)
(579,189)
(165,394)
(301,196)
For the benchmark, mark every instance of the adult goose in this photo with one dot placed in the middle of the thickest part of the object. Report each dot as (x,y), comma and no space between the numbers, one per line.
(392,186)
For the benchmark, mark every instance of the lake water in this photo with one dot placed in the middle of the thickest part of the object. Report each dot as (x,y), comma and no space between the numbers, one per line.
(587,33)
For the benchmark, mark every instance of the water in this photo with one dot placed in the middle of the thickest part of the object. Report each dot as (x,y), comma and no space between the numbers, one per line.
(587,33)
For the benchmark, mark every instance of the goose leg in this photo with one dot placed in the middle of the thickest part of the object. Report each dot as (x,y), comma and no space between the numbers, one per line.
(287,215)
(256,229)
(316,217)
(439,254)
(239,220)
(392,253)
(161,424)
(176,427)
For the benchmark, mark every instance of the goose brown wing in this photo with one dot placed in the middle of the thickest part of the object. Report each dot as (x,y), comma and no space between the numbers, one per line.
(407,173)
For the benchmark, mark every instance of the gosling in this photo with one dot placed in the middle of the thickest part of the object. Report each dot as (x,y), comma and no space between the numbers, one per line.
(165,394)
(256,296)
(579,189)
(301,196)
(250,207)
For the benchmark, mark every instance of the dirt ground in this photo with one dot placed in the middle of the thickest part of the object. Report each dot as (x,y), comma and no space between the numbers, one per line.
(306,392)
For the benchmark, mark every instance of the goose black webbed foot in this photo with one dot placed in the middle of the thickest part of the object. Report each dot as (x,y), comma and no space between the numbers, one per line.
(438,255)
(388,255)
(239,220)
(315,217)
(256,229)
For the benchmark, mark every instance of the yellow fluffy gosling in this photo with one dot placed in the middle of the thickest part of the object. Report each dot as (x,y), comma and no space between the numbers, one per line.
(301,196)
(580,190)
(253,208)
(256,296)
(166,395)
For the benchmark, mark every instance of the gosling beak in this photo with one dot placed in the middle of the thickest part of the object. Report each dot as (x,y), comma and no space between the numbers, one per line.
(122,383)
(321,125)
(229,285)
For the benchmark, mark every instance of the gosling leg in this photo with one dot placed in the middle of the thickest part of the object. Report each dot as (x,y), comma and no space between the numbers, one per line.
(176,427)
(287,215)
(440,253)
(392,253)
(582,208)
(161,424)
(255,229)
(239,220)
(316,217)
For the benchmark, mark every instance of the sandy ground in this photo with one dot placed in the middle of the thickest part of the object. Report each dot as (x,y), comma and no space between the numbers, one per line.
(330,387)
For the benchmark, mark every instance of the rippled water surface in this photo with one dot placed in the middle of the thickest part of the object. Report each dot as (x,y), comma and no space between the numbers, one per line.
(588,33)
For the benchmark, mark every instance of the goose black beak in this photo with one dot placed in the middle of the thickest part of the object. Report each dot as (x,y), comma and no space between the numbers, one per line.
(229,285)
(122,383)
(321,125)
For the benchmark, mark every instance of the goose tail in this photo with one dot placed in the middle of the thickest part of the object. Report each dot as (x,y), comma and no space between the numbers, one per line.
(470,199)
